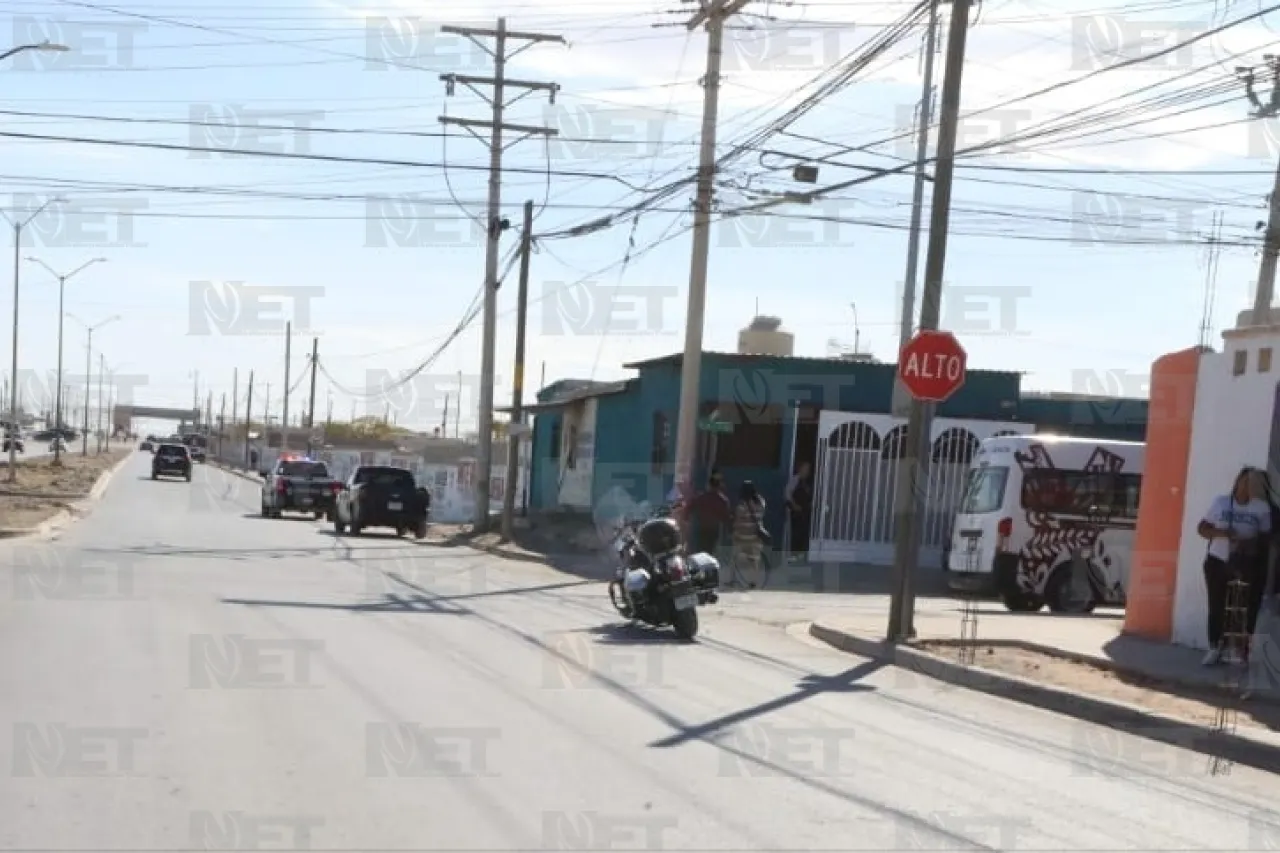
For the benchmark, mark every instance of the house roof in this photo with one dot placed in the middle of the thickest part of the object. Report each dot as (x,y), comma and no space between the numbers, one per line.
(678,358)
(572,394)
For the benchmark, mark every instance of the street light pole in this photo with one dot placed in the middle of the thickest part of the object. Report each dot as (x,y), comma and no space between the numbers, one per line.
(62,284)
(17,256)
(88,374)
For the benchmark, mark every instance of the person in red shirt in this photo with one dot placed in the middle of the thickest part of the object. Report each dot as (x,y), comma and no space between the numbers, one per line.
(711,514)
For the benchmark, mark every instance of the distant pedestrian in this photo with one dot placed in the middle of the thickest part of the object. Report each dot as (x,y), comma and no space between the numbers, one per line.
(799,497)
(749,535)
(1238,527)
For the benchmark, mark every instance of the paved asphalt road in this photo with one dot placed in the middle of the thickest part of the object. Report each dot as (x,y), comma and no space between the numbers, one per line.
(177,673)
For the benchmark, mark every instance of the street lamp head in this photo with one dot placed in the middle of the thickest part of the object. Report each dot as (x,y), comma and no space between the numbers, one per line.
(51,47)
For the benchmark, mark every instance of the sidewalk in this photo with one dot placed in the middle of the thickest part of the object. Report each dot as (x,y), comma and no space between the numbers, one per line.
(1083,666)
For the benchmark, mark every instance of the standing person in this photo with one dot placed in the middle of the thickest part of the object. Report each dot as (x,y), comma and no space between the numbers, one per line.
(1237,526)
(799,497)
(711,513)
(748,541)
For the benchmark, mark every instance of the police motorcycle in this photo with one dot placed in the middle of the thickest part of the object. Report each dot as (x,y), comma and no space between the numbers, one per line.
(656,582)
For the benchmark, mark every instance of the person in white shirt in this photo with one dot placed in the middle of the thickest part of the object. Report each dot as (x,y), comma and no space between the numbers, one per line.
(1238,527)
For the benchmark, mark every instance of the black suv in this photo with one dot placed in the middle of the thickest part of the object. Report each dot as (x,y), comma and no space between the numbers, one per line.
(171,460)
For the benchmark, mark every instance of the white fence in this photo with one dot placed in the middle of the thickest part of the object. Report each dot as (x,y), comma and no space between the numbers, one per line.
(452,486)
(857,477)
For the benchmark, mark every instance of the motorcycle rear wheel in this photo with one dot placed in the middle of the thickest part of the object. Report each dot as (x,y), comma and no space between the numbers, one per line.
(685,623)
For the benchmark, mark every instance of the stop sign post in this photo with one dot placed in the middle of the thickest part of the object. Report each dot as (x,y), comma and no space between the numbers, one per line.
(932,366)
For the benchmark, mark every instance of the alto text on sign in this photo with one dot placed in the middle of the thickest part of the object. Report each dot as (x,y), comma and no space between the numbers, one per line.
(932,366)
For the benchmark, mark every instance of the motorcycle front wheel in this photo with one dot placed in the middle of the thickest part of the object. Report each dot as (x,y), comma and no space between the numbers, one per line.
(685,623)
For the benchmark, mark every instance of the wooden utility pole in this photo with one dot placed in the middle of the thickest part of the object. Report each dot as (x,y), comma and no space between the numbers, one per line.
(913,472)
(517,390)
(713,14)
(494,222)
(311,405)
(288,356)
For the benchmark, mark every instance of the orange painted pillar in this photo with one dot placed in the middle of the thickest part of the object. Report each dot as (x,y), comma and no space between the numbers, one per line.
(1154,575)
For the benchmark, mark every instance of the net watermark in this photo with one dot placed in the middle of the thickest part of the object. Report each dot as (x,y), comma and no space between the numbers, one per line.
(971,310)
(764,750)
(596,133)
(822,223)
(784,46)
(231,129)
(38,389)
(986,130)
(63,750)
(1104,41)
(1123,398)
(237,662)
(52,573)
(750,395)
(413,221)
(1100,220)
(413,44)
(82,222)
(430,399)
(572,661)
(942,830)
(234,309)
(1100,751)
(1263,142)
(598,831)
(416,751)
(594,308)
(244,831)
(93,45)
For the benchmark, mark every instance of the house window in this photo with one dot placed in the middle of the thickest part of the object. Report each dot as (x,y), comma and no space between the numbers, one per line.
(1264,360)
(1241,363)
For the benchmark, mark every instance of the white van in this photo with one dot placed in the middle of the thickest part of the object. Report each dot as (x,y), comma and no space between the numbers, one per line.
(1047,519)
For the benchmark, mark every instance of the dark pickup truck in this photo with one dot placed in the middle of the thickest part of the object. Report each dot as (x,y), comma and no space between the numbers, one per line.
(381,496)
(298,485)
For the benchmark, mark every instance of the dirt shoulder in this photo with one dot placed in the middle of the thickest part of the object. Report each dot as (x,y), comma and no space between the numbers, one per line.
(43,490)
(1198,704)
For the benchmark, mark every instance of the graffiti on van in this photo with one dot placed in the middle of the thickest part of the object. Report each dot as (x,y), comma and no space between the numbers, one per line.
(1067,512)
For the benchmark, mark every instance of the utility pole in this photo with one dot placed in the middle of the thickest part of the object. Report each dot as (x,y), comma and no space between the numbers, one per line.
(248,420)
(102,397)
(457,411)
(266,413)
(713,14)
(901,397)
(195,394)
(88,380)
(235,401)
(222,420)
(913,469)
(494,222)
(111,409)
(288,355)
(311,406)
(1266,289)
(517,390)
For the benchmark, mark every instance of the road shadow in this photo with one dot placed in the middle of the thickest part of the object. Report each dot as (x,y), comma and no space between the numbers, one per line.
(260,517)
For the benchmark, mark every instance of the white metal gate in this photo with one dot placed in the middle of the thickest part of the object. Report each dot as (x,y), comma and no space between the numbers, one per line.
(858,457)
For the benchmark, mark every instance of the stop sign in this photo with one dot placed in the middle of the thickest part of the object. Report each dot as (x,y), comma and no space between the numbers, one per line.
(932,366)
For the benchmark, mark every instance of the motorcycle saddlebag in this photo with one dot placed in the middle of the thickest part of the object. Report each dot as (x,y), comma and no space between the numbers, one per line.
(704,571)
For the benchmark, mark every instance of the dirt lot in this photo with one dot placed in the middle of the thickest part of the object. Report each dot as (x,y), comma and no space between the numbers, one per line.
(1197,704)
(42,490)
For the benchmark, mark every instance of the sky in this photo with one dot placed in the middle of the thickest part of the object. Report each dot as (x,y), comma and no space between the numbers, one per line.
(1102,179)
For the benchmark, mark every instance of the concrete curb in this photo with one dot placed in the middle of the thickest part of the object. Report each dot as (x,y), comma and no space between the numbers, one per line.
(1261,698)
(1232,746)
(70,513)
(235,472)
